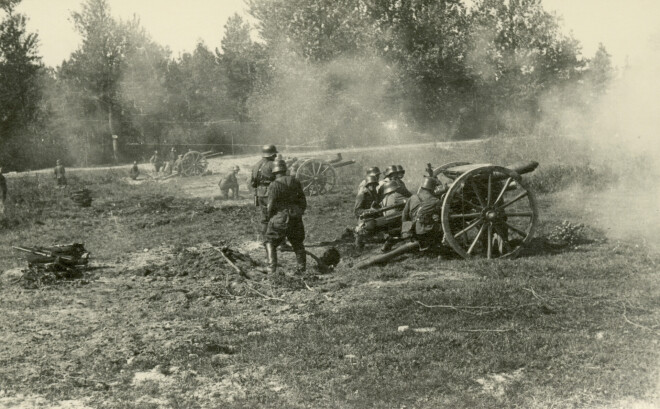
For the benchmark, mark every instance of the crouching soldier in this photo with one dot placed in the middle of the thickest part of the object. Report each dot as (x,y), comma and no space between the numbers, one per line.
(286,205)
(230,182)
(421,215)
(392,199)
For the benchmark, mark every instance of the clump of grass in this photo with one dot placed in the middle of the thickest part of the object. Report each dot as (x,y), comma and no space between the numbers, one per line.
(568,233)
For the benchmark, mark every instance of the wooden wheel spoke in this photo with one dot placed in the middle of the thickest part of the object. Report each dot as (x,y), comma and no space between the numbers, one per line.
(464,216)
(517,230)
(468,228)
(520,196)
(476,193)
(490,189)
(476,239)
(501,195)
(489,251)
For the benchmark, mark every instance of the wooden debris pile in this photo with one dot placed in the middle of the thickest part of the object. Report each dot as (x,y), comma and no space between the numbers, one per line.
(47,265)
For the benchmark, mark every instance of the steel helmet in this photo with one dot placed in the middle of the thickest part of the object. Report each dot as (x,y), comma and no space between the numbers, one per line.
(390,170)
(268,150)
(371,180)
(373,171)
(280,167)
(399,169)
(429,183)
(390,187)
(236,168)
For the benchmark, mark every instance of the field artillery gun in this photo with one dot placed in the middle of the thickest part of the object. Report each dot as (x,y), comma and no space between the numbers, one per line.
(195,163)
(487,211)
(317,176)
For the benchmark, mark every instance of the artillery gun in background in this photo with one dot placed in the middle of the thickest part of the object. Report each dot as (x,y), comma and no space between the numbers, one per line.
(487,211)
(317,176)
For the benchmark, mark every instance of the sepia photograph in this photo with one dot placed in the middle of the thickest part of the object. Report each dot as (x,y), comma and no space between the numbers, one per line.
(406,204)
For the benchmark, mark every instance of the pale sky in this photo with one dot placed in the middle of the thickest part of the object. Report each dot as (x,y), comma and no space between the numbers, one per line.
(624,26)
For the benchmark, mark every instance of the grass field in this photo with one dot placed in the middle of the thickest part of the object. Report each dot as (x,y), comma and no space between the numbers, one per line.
(160,321)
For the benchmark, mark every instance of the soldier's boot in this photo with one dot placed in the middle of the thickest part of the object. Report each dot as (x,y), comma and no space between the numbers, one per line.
(225,194)
(271,258)
(301,261)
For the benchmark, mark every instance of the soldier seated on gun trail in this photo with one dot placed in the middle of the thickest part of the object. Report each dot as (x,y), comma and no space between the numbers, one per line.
(421,215)
(230,182)
(285,208)
(374,171)
(391,198)
(367,199)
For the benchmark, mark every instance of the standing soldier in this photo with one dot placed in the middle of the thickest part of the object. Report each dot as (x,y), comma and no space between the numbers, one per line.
(178,165)
(262,175)
(423,210)
(156,161)
(60,175)
(230,182)
(135,171)
(3,192)
(285,207)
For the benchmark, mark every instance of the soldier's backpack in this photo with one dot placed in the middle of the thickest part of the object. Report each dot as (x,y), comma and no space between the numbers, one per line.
(427,215)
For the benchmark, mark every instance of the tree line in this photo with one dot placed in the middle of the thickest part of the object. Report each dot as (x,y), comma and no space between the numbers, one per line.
(324,73)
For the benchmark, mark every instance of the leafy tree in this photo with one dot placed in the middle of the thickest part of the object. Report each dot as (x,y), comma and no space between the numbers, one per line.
(20,91)
(600,71)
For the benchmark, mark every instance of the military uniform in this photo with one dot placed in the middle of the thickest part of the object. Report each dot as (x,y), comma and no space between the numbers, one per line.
(286,205)
(135,171)
(424,210)
(156,161)
(229,182)
(392,199)
(261,178)
(60,175)
(366,199)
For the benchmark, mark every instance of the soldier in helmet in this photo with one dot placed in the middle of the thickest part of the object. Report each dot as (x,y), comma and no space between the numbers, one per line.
(421,215)
(367,198)
(391,197)
(399,173)
(260,179)
(374,171)
(230,182)
(286,204)
(157,161)
(60,174)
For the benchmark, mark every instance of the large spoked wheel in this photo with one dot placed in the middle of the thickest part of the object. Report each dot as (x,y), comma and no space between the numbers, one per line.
(193,164)
(489,212)
(316,176)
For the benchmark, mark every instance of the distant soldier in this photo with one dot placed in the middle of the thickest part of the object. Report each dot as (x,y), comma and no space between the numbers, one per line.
(230,182)
(172,155)
(178,165)
(423,212)
(374,171)
(135,171)
(260,179)
(286,204)
(391,197)
(3,192)
(367,197)
(60,174)
(157,161)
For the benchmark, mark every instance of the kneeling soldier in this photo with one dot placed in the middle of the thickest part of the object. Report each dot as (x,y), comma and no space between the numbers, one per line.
(424,210)
(286,205)
(230,182)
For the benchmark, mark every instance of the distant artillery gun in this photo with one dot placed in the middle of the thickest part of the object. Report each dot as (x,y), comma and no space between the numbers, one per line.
(488,211)
(196,163)
(317,176)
